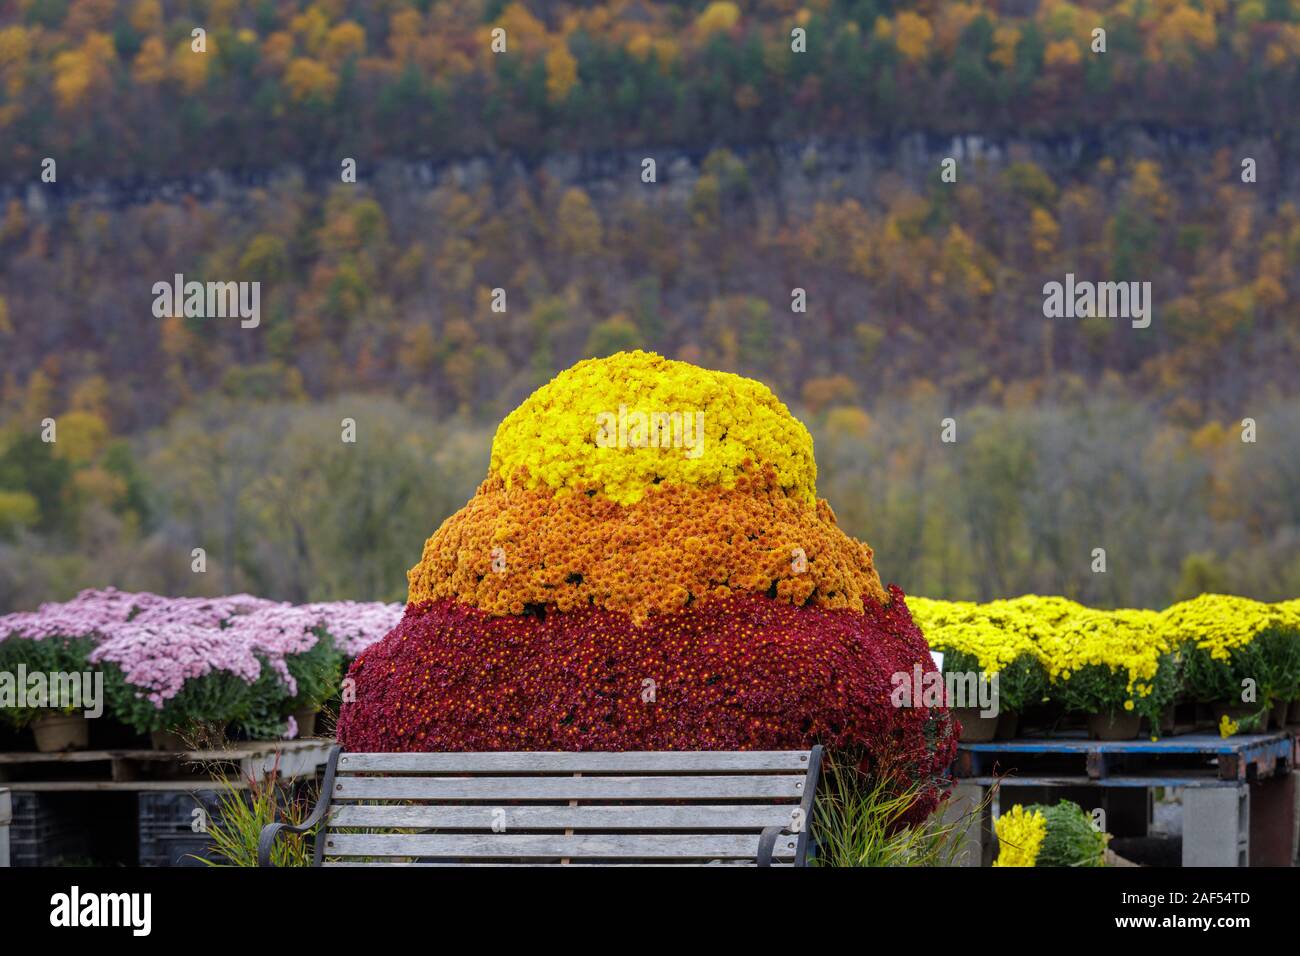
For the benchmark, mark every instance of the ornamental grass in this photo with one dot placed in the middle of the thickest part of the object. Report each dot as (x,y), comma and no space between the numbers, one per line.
(865,819)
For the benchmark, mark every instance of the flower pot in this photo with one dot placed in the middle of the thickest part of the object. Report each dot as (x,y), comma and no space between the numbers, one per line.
(306,722)
(58,732)
(974,728)
(167,740)
(1008,725)
(1121,725)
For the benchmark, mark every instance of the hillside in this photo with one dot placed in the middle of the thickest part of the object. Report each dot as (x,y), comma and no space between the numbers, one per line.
(798,228)
(116,87)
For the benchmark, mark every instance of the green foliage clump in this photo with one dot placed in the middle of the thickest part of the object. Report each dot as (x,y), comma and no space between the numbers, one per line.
(1072,838)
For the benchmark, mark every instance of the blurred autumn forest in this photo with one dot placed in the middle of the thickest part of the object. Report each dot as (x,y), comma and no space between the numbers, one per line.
(775,171)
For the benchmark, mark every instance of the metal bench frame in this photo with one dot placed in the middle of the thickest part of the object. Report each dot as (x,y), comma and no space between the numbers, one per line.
(765,846)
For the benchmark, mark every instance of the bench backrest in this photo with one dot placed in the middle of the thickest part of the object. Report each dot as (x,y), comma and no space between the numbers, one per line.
(700,807)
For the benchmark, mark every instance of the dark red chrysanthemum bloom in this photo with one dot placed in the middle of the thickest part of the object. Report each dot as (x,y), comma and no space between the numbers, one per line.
(741,673)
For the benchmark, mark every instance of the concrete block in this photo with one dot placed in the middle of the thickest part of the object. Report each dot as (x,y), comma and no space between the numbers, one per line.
(976,824)
(6,817)
(1216,826)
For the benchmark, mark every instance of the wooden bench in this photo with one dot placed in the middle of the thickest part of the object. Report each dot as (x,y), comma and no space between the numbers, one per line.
(454,809)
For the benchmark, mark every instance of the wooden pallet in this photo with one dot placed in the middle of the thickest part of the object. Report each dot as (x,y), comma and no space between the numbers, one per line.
(1238,793)
(1196,759)
(159,769)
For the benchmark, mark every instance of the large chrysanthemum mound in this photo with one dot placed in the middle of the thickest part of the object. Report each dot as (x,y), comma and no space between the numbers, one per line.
(647,566)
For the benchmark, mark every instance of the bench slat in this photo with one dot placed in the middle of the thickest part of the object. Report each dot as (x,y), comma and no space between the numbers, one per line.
(546,846)
(635,817)
(660,863)
(567,788)
(720,761)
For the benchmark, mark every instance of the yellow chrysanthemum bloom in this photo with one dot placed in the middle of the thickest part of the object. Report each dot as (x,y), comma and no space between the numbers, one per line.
(995,634)
(1220,623)
(624,425)
(1020,837)
(1125,639)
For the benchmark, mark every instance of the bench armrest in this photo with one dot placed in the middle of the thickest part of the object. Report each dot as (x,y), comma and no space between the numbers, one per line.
(266,841)
(767,843)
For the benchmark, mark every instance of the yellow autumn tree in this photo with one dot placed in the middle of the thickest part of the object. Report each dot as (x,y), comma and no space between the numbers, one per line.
(310,28)
(222,13)
(79,72)
(404,34)
(15,46)
(1180,33)
(277,50)
(87,15)
(150,65)
(819,393)
(951,21)
(640,46)
(91,395)
(82,437)
(577,223)
(346,39)
(717,17)
(18,509)
(190,69)
(308,79)
(1149,189)
(1060,18)
(1005,40)
(1060,53)
(561,72)
(1043,232)
(959,260)
(666,52)
(912,35)
(146,15)
(524,32)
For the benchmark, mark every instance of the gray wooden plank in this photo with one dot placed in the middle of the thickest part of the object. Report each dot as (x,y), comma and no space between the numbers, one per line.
(236,751)
(716,761)
(576,846)
(508,818)
(1143,782)
(568,788)
(659,864)
(118,786)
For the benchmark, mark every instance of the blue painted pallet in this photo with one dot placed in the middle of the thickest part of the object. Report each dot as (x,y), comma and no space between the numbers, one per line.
(1168,781)
(1227,759)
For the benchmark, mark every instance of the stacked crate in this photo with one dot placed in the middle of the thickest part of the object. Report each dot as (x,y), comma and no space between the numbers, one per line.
(46,829)
(168,834)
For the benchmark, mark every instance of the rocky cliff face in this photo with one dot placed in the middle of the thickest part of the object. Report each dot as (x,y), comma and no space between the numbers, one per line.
(798,173)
